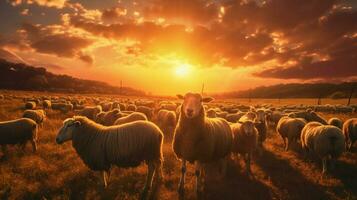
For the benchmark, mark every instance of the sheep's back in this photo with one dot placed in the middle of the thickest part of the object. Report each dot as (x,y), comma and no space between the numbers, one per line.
(17,131)
(328,140)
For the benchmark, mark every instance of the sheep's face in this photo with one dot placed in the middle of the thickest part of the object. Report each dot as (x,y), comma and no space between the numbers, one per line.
(248,127)
(192,104)
(66,131)
(260,115)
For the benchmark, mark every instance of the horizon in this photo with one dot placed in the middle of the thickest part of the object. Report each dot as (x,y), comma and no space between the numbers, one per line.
(168,47)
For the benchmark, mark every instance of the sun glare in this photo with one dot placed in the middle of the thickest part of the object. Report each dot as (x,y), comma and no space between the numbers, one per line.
(182,70)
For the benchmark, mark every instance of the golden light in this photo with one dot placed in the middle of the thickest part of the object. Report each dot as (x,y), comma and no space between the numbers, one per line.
(182,70)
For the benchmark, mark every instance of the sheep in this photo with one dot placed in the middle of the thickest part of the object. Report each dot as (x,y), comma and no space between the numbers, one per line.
(290,130)
(146,110)
(135,116)
(350,132)
(199,139)
(126,145)
(234,117)
(64,107)
(30,105)
(46,104)
(211,113)
(108,118)
(18,131)
(274,117)
(131,107)
(245,140)
(309,116)
(248,116)
(326,141)
(335,122)
(166,120)
(90,112)
(260,125)
(37,115)
(106,106)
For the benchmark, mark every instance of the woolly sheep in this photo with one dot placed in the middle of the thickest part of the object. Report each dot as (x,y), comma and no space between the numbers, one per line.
(127,145)
(274,117)
(326,141)
(146,110)
(36,115)
(350,132)
(199,139)
(108,118)
(211,113)
(335,122)
(245,140)
(90,112)
(135,116)
(106,106)
(64,107)
(131,107)
(234,117)
(290,130)
(18,131)
(30,105)
(46,104)
(248,116)
(309,116)
(166,120)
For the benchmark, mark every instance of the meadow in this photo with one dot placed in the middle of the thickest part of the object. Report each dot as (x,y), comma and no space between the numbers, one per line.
(56,171)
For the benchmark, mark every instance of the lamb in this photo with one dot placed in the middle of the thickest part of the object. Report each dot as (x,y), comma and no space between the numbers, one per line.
(46,104)
(290,130)
(146,110)
(326,141)
(126,145)
(30,105)
(166,120)
(199,139)
(108,118)
(245,140)
(91,112)
(18,131)
(135,116)
(350,132)
(36,115)
(335,122)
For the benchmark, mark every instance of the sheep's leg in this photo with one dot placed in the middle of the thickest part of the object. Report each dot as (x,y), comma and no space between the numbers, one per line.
(158,172)
(324,166)
(199,184)
(34,145)
(247,164)
(105,176)
(287,147)
(148,184)
(181,188)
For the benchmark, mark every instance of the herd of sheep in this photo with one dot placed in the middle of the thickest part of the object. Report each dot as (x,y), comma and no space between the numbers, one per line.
(107,132)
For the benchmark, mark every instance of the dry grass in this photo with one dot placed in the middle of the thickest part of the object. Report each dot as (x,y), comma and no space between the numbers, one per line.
(56,172)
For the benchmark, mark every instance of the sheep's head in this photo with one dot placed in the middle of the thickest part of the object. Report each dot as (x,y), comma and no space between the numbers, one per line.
(248,127)
(260,115)
(66,132)
(192,104)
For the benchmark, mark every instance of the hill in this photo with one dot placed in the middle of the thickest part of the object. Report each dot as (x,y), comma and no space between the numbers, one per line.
(297,90)
(19,76)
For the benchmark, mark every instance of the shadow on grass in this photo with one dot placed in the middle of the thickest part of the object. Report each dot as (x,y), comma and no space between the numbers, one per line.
(289,180)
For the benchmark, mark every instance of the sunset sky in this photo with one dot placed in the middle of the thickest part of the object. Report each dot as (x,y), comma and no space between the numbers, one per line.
(173,46)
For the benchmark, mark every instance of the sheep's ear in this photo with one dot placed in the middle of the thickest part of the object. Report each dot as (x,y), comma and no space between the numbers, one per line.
(207,99)
(179,96)
(77,123)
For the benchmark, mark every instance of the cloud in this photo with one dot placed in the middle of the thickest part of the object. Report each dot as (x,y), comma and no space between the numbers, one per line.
(46,3)
(113,14)
(49,40)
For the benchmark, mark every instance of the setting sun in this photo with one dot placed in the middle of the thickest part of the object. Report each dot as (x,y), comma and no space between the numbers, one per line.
(183,70)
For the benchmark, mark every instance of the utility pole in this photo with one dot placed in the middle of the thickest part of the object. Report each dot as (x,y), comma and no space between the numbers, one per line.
(203,87)
(351,93)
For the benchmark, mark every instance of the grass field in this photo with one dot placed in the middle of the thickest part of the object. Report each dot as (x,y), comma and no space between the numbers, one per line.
(56,172)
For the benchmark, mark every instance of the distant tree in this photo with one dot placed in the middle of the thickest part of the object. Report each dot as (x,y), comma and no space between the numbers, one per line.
(353,86)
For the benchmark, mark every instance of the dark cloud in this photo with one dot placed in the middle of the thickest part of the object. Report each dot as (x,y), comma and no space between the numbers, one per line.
(113,14)
(46,40)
